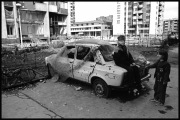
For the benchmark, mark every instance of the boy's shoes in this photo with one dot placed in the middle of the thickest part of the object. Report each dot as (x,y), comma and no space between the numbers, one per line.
(154,100)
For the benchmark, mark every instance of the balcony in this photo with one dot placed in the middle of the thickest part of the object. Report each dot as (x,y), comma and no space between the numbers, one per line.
(160,14)
(160,3)
(53,8)
(140,17)
(62,23)
(134,23)
(8,4)
(140,6)
(145,28)
(9,14)
(63,11)
(134,17)
(141,2)
(140,11)
(131,28)
(140,22)
(40,6)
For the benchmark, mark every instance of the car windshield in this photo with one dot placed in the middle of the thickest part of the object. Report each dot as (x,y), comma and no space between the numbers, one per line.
(107,51)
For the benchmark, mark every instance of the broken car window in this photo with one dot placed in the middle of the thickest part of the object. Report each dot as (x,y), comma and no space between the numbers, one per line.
(71,51)
(82,52)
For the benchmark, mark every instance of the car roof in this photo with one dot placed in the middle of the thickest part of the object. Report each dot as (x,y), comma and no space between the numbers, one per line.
(91,41)
(105,46)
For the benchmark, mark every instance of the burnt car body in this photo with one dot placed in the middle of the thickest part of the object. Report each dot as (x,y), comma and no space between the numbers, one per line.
(91,61)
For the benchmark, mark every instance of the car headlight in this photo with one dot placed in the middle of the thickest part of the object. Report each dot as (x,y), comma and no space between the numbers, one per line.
(147,63)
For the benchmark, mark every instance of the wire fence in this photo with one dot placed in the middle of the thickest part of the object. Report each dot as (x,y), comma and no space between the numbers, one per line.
(148,41)
(27,61)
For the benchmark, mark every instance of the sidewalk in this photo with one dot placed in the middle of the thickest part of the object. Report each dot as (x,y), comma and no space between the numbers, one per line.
(18,105)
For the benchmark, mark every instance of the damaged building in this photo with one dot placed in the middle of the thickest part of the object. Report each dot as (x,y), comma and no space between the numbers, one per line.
(33,20)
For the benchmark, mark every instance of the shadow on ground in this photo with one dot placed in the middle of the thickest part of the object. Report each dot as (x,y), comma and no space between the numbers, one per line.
(120,95)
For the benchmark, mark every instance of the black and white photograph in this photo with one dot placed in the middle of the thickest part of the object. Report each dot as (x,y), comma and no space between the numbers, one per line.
(90,59)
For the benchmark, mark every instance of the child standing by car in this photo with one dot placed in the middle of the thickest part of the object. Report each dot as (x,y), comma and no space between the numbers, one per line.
(161,76)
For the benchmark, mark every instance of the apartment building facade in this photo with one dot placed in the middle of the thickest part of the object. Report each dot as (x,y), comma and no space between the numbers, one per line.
(91,28)
(37,18)
(138,18)
(171,26)
(71,16)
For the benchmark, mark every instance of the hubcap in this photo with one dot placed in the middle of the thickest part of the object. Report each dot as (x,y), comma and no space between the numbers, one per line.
(99,89)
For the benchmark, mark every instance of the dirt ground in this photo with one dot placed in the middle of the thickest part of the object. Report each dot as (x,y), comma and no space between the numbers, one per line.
(52,99)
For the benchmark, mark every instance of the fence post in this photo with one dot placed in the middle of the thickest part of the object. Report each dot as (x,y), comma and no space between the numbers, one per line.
(35,56)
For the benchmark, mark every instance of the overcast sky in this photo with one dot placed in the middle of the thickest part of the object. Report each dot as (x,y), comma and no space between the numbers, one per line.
(87,11)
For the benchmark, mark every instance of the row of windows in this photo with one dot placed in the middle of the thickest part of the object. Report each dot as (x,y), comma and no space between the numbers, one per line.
(87,28)
(86,24)
(140,31)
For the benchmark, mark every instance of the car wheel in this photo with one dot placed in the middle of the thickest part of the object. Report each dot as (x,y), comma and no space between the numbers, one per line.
(101,89)
(50,71)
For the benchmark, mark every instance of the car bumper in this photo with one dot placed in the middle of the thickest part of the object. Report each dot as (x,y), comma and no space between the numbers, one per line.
(146,78)
(127,86)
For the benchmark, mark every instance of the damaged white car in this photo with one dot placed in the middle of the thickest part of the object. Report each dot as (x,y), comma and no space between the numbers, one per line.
(91,61)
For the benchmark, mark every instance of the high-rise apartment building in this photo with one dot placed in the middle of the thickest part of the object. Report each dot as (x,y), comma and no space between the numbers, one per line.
(170,26)
(71,16)
(37,18)
(138,18)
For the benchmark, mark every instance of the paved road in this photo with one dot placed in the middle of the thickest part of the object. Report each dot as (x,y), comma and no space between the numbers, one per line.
(61,100)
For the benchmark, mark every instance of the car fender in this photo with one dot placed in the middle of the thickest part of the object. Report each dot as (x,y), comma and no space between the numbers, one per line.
(50,59)
(111,75)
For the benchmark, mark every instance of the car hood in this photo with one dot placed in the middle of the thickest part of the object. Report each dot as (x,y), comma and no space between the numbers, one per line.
(139,58)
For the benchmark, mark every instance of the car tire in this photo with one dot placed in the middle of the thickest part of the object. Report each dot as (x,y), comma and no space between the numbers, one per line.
(50,71)
(101,89)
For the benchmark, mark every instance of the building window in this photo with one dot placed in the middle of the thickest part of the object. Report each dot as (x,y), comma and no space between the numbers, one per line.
(148,6)
(118,16)
(118,21)
(148,11)
(147,17)
(10,29)
(135,4)
(129,13)
(52,3)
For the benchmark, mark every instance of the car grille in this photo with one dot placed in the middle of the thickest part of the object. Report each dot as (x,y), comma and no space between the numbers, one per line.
(126,81)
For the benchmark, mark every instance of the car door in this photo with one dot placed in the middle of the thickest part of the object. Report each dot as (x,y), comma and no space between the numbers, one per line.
(65,62)
(83,68)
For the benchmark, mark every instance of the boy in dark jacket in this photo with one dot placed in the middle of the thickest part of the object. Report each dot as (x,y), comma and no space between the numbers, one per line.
(161,76)
(124,59)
